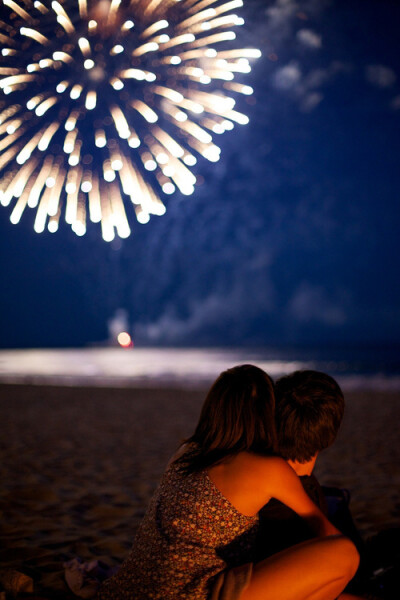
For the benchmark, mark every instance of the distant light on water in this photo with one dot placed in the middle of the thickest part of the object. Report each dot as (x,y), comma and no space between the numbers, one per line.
(104,106)
(125,340)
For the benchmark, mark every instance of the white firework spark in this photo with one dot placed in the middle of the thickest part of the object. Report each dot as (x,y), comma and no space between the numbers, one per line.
(106,105)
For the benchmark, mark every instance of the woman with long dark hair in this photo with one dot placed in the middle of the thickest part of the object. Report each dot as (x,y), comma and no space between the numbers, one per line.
(197,539)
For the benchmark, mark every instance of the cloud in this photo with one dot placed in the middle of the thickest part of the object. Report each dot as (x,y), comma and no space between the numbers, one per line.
(309,38)
(312,303)
(217,311)
(280,17)
(395,103)
(311,101)
(285,16)
(287,77)
(317,77)
(380,76)
(288,35)
(173,328)
(215,305)
(306,88)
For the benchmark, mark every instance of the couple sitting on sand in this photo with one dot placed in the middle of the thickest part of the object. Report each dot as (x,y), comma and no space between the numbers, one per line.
(214,528)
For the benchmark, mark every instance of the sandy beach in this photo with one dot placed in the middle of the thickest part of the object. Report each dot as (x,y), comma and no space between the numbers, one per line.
(78,466)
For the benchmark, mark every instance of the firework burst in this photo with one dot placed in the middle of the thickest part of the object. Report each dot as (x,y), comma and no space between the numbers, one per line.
(105,106)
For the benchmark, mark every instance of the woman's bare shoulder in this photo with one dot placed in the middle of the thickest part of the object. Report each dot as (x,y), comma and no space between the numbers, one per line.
(254,470)
(249,480)
(260,462)
(267,471)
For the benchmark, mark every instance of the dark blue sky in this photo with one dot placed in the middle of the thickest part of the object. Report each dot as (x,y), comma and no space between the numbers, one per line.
(292,238)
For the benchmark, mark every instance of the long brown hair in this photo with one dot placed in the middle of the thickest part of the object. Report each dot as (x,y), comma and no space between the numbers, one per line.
(237,416)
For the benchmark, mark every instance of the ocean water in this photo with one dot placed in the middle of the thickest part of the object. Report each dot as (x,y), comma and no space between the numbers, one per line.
(354,367)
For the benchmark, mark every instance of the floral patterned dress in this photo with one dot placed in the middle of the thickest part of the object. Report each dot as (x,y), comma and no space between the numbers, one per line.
(190,534)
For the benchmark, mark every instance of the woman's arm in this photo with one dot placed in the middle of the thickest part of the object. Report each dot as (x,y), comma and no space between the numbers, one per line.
(283,484)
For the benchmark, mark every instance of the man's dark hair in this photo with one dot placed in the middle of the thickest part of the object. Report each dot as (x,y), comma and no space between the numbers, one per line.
(309,410)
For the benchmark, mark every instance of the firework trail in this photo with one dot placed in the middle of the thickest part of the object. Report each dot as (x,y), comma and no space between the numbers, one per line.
(105,106)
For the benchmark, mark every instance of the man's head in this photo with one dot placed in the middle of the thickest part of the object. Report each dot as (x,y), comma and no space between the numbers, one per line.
(309,410)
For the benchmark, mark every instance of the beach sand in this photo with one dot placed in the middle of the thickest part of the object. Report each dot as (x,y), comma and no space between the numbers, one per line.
(78,466)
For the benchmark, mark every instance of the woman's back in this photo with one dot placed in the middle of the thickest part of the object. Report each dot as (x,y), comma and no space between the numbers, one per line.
(190,533)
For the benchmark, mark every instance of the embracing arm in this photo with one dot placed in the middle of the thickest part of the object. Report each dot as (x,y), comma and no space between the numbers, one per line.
(284,485)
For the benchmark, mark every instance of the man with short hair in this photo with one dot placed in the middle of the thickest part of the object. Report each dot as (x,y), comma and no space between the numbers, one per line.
(308,413)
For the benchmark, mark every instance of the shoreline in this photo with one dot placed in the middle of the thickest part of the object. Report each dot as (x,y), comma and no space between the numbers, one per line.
(187,368)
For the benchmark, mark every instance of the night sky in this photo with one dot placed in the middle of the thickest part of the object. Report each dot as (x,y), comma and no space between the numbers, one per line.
(292,237)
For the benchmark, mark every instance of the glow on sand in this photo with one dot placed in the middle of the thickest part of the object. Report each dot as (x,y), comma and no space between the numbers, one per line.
(105,106)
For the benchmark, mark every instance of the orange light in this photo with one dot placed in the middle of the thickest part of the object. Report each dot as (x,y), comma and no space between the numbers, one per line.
(124,339)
